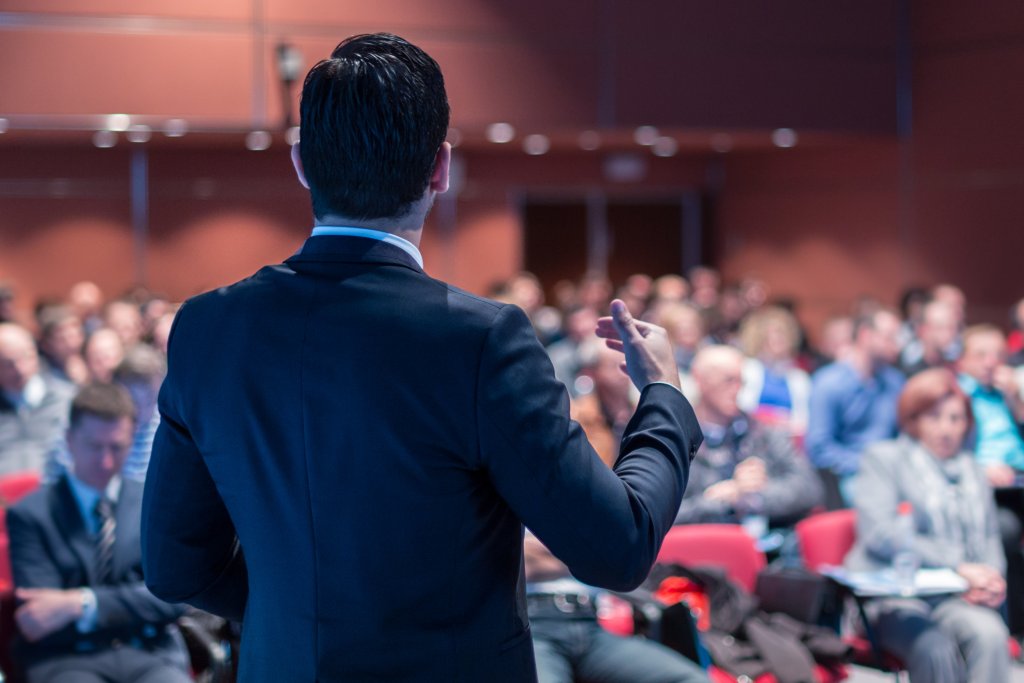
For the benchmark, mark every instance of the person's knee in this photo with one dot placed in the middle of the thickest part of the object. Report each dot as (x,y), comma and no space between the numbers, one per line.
(989,632)
(934,656)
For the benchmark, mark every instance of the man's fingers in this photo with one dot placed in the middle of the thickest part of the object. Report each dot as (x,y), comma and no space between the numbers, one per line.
(615,345)
(606,329)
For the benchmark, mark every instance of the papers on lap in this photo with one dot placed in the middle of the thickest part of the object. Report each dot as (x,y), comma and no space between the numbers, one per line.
(884,582)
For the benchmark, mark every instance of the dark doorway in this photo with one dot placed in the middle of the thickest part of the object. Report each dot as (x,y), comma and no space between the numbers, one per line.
(620,238)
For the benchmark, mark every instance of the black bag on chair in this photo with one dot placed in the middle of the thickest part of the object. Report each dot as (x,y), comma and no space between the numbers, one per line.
(804,595)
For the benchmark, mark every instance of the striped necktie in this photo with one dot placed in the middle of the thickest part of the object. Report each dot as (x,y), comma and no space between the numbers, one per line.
(104,541)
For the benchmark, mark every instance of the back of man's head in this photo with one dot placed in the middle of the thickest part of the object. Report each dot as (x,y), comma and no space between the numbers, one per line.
(373,118)
(141,364)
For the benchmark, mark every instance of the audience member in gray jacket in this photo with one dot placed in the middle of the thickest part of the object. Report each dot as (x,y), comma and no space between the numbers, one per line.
(743,466)
(951,638)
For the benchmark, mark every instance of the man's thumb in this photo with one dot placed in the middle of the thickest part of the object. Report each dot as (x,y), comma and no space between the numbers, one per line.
(623,320)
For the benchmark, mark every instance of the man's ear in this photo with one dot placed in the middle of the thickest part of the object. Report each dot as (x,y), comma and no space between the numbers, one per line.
(442,164)
(297,163)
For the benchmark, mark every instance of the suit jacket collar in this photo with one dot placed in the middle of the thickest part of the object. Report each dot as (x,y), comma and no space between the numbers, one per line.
(64,509)
(351,249)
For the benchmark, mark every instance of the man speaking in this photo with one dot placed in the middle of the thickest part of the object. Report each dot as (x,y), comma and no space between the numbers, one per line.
(350,449)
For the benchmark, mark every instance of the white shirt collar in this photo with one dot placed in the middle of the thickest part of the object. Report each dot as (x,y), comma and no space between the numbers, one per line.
(400,242)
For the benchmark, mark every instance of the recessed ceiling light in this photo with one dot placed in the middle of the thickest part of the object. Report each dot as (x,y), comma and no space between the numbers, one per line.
(645,135)
(118,122)
(291,136)
(784,137)
(721,142)
(258,140)
(665,147)
(536,144)
(139,133)
(501,133)
(175,128)
(590,140)
(104,139)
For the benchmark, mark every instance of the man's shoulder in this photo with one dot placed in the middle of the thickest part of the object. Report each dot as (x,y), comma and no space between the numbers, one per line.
(893,377)
(248,286)
(835,376)
(35,506)
(469,303)
(888,451)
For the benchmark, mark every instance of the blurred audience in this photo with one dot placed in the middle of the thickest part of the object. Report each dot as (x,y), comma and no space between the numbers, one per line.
(1015,342)
(934,343)
(836,340)
(575,350)
(33,407)
(685,327)
(124,318)
(911,307)
(704,284)
(940,639)
(744,467)
(996,401)
(86,300)
(7,312)
(743,366)
(140,374)
(103,352)
(853,402)
(775,390)
(92,620)
(602,400)
(61,339)
(568,643)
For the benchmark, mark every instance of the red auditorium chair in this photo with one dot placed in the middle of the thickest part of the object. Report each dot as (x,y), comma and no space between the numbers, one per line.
(727,546)
(824,540)
(13,487)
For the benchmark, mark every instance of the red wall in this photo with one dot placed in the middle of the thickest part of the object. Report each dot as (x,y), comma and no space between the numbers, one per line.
(823,222)
(827,225)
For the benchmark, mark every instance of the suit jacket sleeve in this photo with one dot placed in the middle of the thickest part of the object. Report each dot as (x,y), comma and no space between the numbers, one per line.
(606,525)
(190,551)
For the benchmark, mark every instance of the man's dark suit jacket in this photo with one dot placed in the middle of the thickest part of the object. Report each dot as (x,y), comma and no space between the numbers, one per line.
(52,548)
(376,439)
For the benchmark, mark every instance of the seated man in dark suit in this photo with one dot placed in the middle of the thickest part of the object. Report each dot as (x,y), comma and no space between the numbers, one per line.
(85,614)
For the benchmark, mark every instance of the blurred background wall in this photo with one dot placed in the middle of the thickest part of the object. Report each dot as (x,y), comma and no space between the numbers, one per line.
(831,149)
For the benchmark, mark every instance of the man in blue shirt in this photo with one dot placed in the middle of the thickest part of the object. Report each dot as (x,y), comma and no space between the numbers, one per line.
(996,402)
(853,401)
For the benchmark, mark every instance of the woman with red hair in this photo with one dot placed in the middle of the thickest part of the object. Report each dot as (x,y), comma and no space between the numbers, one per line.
(946,638)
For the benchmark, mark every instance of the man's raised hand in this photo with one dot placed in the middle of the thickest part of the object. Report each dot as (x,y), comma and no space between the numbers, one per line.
(647,349)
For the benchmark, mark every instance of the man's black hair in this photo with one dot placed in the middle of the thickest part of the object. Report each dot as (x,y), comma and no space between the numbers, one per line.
(373,118)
